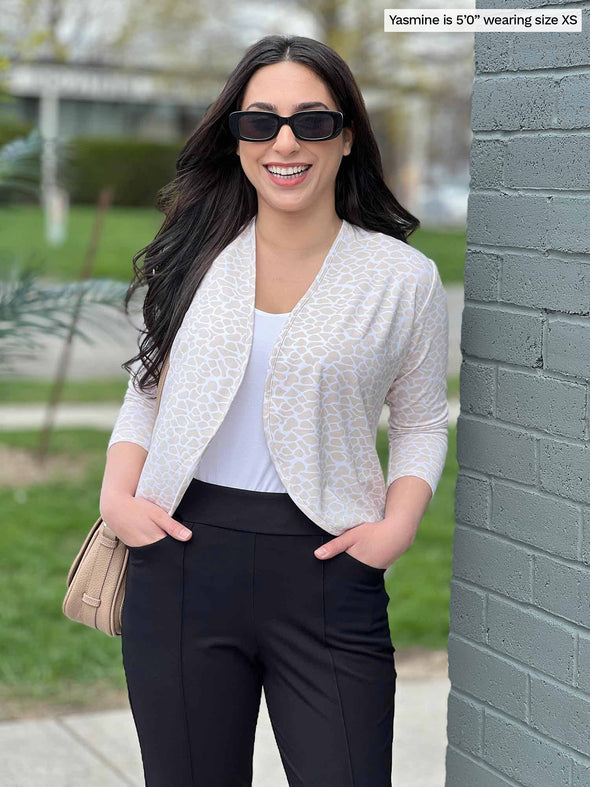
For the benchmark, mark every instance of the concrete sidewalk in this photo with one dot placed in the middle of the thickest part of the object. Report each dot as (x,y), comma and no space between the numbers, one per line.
(101,749)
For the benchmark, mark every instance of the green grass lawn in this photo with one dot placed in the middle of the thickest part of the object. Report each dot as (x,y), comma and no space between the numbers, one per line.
(29,390)
(43,655)
(48,658)
(127,230)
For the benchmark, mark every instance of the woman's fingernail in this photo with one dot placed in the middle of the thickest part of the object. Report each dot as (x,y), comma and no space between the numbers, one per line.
(186,533)
(321,552)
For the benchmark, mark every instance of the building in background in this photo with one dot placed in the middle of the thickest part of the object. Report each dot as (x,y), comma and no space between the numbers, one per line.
(128,69)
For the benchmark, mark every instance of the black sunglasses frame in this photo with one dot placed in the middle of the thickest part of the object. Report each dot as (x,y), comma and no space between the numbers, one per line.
(234,125)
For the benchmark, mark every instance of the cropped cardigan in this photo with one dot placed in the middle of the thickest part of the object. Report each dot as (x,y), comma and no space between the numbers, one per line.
(372,328)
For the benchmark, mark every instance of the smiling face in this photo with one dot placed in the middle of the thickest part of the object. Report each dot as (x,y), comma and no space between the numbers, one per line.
(286,88)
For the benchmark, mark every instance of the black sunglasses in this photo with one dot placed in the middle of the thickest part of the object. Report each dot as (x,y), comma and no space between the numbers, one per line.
(311,125)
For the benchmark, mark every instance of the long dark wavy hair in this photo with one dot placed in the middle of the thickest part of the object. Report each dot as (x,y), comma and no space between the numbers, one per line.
(210,200)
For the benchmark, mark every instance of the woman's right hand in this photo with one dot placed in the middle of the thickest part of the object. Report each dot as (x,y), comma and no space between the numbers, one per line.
(138,522)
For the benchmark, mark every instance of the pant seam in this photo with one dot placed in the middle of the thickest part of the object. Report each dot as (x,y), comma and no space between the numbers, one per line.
(181,667)
(254,549)
(334,668)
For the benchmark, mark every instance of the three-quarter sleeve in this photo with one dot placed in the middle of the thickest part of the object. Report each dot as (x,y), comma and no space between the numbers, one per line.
(136,417)
(417,398)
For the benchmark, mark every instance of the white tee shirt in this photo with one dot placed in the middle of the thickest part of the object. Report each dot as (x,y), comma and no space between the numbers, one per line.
(238,454)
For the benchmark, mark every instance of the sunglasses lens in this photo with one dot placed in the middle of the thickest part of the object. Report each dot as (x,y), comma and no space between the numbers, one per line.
(263,126)
(314,125)
(257,125)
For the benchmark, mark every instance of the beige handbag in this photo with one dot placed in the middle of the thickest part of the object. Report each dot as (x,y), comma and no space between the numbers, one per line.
(96,579)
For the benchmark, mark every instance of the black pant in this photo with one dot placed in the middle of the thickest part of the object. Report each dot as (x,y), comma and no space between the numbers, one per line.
(243,604)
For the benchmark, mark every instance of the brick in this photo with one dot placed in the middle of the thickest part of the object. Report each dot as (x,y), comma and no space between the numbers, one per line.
(472,500)
(523,756)
(462,771)
(583,672)
(513,103)
(562,589)
(467,728)
(564,468)
(477,387)
(522,221)
(487,166)
(548,523)
(487,677)
(546,283)
(541,402)
(547,161)
(495,449)
(492,333)
(567,346)
(561,713)
(532,638)
(490,562)
(466,611)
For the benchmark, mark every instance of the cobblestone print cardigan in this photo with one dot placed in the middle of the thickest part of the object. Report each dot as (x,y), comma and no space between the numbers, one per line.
(371,329)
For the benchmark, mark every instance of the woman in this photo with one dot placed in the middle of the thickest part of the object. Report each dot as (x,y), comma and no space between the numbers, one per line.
(259,525)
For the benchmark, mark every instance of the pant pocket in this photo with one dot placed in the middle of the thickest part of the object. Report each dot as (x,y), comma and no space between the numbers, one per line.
(373,569)
(151,545)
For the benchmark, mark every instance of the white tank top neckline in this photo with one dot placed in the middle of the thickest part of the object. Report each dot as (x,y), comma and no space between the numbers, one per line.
(241,433)
(271,314)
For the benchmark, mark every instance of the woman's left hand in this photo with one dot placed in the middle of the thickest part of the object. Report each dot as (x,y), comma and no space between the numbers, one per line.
(375,543)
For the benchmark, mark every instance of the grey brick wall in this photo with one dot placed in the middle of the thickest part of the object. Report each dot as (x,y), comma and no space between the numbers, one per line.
(519,641)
